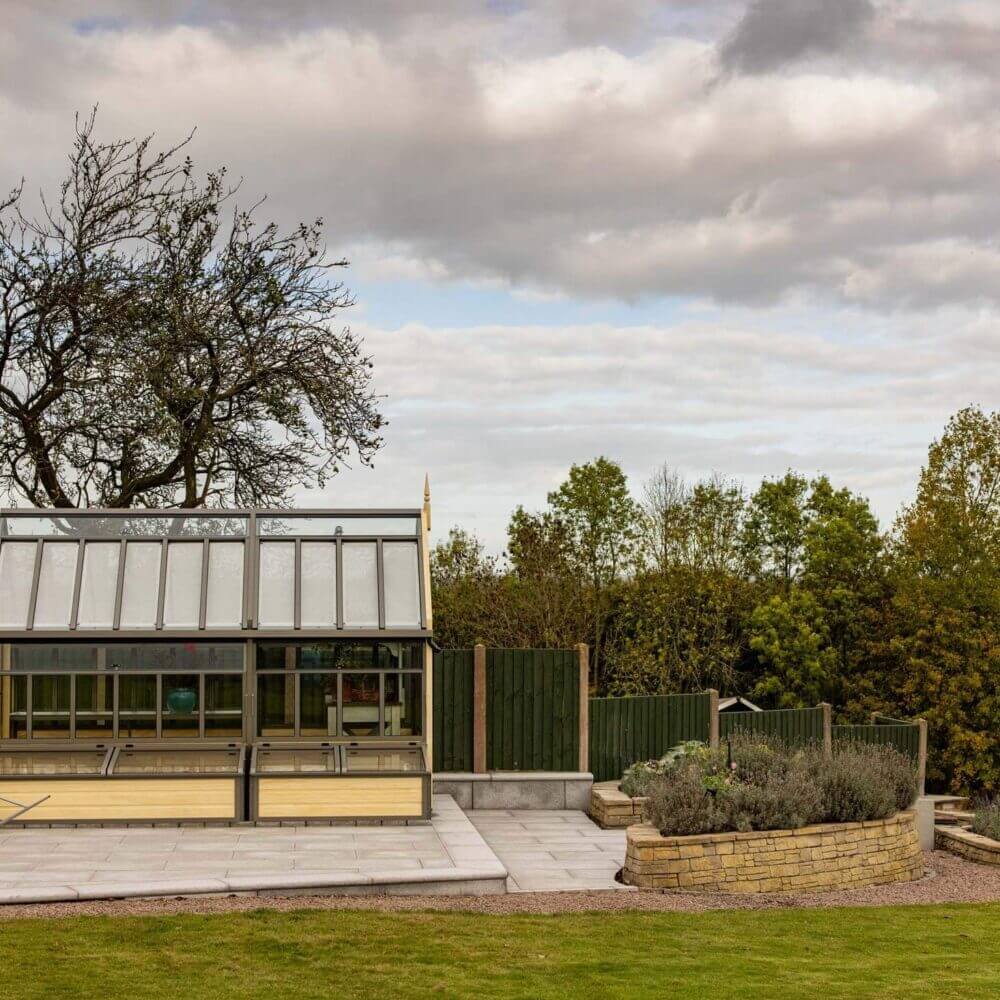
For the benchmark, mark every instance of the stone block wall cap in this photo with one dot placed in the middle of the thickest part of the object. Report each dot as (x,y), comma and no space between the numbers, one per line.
(541,776)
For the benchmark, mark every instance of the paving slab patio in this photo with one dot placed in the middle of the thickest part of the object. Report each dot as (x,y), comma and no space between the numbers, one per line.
(90,863)
(552,850)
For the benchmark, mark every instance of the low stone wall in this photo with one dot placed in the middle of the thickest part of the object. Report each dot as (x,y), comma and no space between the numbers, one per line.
(967,844)
(820,858)
(612,809)
(516,789)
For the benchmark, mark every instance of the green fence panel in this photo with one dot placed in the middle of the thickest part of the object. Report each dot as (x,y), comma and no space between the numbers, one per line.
(905,737)
(794,725)
(453,709)
(626,730)
(532,710)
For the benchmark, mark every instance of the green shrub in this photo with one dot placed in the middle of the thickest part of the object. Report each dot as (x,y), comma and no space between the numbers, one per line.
(783,802)
(863,781)
(986,821)
(680,805)
(759,783)
(636,779)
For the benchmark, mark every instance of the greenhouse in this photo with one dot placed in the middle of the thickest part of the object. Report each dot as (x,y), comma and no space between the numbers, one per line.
(209,665)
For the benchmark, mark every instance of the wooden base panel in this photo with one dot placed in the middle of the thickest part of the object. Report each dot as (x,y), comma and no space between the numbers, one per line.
(102,800)
(306,798)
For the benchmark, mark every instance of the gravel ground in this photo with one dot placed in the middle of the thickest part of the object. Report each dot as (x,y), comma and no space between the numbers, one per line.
(949,879)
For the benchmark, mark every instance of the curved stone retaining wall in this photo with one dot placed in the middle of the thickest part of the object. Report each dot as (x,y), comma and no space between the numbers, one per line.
(967,844)
(819,858)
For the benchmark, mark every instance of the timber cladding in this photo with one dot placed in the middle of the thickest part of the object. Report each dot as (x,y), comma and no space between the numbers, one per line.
(822,858)
(124,799)
(339,798)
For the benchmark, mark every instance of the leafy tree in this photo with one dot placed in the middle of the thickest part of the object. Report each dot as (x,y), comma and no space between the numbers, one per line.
(942,639)
(153,352)
(596,507)
(775,528)
(791,637)
(545,598)
(809,639)
(466,585)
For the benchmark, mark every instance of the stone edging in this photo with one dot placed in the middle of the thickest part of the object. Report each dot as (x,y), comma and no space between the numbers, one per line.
(966,844)
(612,809)
(821,858)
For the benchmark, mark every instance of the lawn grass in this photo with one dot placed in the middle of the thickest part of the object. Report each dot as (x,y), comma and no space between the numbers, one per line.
(912,951)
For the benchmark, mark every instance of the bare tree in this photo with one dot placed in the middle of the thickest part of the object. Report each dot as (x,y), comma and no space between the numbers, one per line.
(152,353)
(664,516)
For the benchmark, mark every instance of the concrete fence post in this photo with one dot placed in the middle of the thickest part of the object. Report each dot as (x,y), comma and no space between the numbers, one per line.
(827,728)
(922,759)
(583,659)
(713,717)
(479,708)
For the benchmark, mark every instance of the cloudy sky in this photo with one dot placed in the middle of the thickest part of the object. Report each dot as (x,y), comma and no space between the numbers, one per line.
(725,236)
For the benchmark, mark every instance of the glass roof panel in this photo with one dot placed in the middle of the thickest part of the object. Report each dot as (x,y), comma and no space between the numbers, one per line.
(277,583)
(182,602)
(360,585)
(13,762)
(98,584)
(17,568)
(319,584)
(224,601)
(400,570)
(55,584)
(141,585)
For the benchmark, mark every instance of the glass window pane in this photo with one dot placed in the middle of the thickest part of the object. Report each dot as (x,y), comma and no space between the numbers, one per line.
(49,762)
(319,584)
(182,605)
(180,705)
(297,762)
(126,525)
(141,585)
(403,704)
(361,704)
(277,583)
(137,706)
(55,585)
(50,706)
(224,607)
(360,585)
(334,524)
(17,568)
(13,707)
(318,712)
(383,759)
(276,704)
(224,705)
(402,584)
(95,703)
(98,584)
(177,762)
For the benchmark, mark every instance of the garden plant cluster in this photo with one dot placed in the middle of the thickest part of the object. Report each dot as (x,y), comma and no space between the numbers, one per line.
(754,782)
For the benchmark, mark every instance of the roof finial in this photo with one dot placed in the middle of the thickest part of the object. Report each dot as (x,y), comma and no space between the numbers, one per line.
(427,502)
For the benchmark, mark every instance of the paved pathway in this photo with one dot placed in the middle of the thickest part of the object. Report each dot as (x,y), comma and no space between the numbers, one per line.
(43,865)
(543,850)
(552,850)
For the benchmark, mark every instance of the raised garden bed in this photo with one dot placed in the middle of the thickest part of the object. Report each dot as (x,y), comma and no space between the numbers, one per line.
(820,858)
(612,809)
